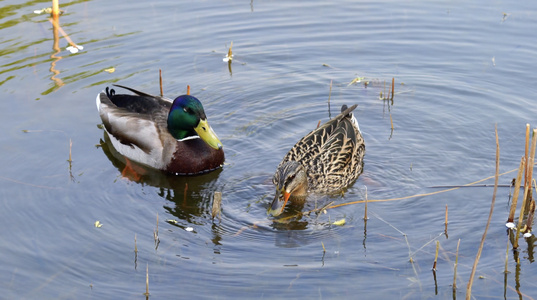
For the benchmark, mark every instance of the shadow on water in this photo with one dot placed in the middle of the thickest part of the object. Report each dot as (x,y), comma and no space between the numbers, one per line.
(189,199)
(192,195)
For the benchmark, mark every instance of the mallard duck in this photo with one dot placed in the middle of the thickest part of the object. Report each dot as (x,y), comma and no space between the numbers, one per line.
(170,135)
(326,160)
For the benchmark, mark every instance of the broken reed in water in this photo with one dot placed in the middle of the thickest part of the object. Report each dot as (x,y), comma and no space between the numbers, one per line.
(527,199)
(217,205)
(385,95)
(436,255)
(147,282)
(446,221)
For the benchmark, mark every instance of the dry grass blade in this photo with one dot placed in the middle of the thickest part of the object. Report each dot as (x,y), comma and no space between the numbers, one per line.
(496,176)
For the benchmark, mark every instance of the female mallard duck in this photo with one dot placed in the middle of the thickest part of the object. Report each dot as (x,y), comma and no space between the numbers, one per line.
(325,161)
(172,136)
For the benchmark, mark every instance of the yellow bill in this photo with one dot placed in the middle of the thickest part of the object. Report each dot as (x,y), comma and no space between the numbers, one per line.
(207,134)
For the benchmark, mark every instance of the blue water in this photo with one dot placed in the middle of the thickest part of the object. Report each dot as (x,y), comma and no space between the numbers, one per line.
(460,69)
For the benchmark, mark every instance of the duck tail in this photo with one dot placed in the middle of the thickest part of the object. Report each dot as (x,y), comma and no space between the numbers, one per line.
(134,91)
(346,112)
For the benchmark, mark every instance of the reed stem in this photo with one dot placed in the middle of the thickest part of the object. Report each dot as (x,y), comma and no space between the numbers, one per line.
(160,81)
(527,188)
(436,255)
(393,88)
(217,204)
(518,180)
(496,176)
(55,8)
(531,161)
(526,150)
(147,281)
(455,267)
(446,221)
(365,209)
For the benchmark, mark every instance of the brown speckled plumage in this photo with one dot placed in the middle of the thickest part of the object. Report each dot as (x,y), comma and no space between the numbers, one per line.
(332,154)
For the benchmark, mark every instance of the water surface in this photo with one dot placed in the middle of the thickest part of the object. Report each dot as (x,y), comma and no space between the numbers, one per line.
(460,69)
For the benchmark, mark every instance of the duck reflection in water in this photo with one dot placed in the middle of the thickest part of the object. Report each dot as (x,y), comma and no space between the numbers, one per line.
(190,196)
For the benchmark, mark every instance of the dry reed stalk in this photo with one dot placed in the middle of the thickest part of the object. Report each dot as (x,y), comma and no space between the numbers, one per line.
(518,180)
(531,161)
(56,24)
(217,205)
(393,87)
(160,81)
(446,221)
(455,267)
(147,281)
(70,148)
(318,123)
(527,188)
(188,89)
(520,218)
(436,255)
(526,150)
(55,8)
(529,220)
(135,247)
(230,52)
(365,210)
(496,176)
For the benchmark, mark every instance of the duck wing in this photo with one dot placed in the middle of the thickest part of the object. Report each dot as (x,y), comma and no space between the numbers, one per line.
(340,159)
(311,145)
(135,120)
(332,154)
